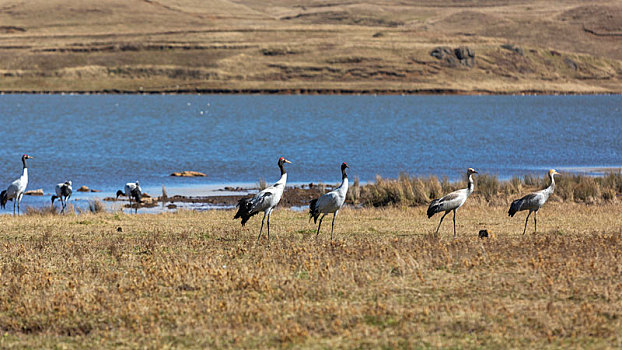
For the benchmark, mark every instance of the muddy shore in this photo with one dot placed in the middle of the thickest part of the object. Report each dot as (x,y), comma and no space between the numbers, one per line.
(292,197)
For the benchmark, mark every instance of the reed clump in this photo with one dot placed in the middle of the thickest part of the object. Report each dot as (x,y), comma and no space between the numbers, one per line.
(40,211)
(406,190)
(413,191)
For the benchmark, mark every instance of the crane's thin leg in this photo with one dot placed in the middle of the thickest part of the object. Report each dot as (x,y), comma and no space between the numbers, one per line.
(526,219)
(439,224)
(454,223)
(269,214)
(332,228)
(19,203)
(262,221)
(535,221)
(319,225)
(14,204)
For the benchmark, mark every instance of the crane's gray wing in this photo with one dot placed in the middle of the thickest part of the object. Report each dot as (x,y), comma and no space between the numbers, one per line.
(327,202)
(262,200)
(448,202)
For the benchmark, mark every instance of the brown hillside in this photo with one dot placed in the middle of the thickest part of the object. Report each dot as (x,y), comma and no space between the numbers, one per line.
(311,46)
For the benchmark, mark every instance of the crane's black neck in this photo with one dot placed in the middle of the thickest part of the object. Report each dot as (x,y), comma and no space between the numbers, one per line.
(343,174)
(282,168)
(24,162)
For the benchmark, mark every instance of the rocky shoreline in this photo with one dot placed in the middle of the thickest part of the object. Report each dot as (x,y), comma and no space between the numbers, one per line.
(292,197)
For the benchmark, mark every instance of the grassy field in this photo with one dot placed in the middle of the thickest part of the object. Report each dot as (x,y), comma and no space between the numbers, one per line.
(285,46)
(196,280)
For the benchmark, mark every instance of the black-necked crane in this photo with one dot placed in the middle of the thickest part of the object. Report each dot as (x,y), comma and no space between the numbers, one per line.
(63,193)
(131,190)
(16,189)
(330,202)
(264,201)
(452,201)
(533,202)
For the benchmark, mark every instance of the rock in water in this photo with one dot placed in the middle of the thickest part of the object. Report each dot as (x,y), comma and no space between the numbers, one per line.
(38,192)
(188,173)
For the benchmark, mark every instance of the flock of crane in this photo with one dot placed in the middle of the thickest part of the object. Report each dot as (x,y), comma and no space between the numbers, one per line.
(332,201)
(266,200)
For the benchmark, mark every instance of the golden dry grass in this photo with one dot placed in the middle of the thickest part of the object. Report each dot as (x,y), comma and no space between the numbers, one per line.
(195,280)
(313,46)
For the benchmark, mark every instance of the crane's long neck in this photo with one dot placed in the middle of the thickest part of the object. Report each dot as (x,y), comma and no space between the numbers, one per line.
(551,187)
(344,181)
(283,178)
(471,185)
(25,172)
(283,172)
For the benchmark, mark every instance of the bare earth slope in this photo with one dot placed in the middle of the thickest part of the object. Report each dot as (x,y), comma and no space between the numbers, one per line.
(311,46)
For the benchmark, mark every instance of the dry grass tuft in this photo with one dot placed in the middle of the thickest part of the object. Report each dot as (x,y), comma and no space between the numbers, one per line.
(261,184)
(96,206)
(41,211)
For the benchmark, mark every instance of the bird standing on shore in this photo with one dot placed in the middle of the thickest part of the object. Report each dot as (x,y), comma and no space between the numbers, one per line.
(264,201)
(63,192)
(533,202)
(330,202)
(131,190)
(16,189)
(452,201)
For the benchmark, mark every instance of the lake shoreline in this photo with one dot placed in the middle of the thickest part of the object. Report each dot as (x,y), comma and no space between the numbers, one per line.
(312,91)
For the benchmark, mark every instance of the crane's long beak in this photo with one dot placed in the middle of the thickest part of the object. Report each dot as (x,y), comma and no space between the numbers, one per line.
(287,161)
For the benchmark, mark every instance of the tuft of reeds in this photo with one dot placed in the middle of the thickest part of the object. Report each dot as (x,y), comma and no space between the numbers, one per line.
(413,191)
(262,185)
(41,211)
(96,206)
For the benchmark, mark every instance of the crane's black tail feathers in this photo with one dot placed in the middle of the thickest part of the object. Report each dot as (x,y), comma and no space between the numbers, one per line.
(434,208)
(53,199)
(244,210)
(313,212)
(136,195)
(515,207)
(3,199)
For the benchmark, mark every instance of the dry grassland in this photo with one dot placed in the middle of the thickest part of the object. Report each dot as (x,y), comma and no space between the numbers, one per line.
(196,280)
(310,46)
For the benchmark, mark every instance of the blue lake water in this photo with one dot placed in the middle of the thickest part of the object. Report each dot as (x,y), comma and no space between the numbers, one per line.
(104,141)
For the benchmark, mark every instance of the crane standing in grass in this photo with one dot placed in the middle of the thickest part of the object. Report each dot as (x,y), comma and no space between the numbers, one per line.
(533,202)
(63,192)
(264,201)
(330,202)
(452,201)
(16,189)
(131,190)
